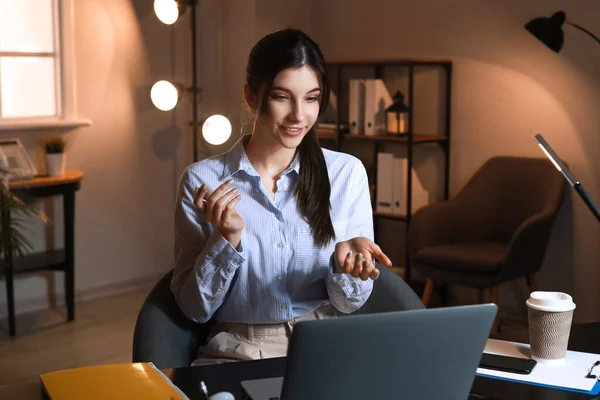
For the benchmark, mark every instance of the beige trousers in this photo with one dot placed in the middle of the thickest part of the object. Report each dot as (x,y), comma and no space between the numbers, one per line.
(229,342)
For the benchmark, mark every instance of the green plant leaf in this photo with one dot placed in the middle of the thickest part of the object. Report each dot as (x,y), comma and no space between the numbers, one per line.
(13,223)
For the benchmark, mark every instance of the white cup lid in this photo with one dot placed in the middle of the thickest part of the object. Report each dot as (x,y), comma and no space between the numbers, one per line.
(550,301)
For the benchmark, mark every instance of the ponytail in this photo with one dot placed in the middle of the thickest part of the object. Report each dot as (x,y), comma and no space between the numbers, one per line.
(314,190)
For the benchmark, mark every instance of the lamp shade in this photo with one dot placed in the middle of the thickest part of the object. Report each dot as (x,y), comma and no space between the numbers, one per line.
(164,95)
(548,30)
(216,129)
(167,11)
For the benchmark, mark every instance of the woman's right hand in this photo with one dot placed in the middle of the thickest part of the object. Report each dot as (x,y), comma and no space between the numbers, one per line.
(218,208)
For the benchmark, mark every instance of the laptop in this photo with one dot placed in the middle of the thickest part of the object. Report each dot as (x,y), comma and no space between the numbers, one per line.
(573,181)
(417,354)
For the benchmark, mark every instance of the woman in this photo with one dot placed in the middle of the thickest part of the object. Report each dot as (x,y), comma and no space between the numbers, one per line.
(276,229)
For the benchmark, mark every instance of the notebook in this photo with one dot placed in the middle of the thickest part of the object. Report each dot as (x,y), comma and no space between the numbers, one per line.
(112,381)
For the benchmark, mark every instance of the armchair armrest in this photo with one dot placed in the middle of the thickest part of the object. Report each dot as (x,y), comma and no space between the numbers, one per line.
(527,247)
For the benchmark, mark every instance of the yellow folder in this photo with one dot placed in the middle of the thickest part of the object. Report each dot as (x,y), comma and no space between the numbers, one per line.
(112,381)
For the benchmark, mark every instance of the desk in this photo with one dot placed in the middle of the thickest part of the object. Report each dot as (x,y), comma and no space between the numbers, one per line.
(227,376)
(55,259)
(219,377)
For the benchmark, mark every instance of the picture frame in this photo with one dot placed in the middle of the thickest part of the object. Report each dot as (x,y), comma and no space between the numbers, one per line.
(14,158)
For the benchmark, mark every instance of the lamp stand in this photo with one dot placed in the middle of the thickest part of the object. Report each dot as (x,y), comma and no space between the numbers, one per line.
(194,123)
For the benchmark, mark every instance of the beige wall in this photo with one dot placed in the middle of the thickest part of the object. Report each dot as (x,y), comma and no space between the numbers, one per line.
(229,29)
(506,88)
(132,155)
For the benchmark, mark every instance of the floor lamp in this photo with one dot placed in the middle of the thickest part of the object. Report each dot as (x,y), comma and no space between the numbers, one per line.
(549,31)
(165,95)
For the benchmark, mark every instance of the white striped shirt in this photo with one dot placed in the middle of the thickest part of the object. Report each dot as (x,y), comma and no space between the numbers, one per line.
(276,273)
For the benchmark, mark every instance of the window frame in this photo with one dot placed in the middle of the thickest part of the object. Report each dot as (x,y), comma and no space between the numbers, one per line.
(67,116)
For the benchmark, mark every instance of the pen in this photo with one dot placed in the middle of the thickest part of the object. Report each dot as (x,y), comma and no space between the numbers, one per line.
(204,389)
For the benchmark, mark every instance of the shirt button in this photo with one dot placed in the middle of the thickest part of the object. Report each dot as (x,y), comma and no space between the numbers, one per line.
(280,245)
(285,187)
(284,306)
(279,277)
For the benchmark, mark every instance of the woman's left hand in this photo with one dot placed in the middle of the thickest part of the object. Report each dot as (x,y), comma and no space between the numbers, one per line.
(355,257)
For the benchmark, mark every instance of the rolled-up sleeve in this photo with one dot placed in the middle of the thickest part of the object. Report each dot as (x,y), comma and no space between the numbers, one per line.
(346,292)
(205,262)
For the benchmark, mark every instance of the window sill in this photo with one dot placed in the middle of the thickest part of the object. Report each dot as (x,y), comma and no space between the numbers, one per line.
(66,124)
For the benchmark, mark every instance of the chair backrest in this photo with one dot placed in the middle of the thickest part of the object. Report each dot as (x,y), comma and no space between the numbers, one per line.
(163,334)
(390,293)
(507,190)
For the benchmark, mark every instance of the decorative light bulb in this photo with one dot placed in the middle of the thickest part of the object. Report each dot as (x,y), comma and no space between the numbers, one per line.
(167,11)
(216,129)
(164,95)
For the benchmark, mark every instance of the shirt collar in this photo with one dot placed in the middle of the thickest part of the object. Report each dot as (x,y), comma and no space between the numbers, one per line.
(237,160)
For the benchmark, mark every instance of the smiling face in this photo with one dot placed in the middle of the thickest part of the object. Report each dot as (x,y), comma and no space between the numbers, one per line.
(292,108)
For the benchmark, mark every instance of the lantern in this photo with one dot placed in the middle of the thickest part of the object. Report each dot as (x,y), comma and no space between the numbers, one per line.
(397,115)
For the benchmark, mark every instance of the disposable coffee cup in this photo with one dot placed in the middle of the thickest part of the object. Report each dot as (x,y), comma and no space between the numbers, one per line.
(550,316)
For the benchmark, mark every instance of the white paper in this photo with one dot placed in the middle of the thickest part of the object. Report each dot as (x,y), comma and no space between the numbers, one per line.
(570,373)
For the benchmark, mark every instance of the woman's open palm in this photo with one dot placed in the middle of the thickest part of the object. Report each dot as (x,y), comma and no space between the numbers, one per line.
(355,257)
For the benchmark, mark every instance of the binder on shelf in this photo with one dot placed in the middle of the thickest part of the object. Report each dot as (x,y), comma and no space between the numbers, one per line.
(356,98)
(385,168)
(399,186)
(377,99)
(420,197)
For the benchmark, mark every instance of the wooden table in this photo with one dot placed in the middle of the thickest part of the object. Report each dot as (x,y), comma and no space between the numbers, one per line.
(54,259)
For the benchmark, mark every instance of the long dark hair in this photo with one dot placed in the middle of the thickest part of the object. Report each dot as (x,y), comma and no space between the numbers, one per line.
(292,48)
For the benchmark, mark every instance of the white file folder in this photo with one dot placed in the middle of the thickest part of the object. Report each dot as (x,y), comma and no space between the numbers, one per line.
(385,167)
(356,97)
(399,186)
(420,196)
(377,99)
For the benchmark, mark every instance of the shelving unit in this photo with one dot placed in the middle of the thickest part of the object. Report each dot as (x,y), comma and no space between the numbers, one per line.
(377,69)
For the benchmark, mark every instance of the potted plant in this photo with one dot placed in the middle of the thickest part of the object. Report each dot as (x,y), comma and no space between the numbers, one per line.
(12,212)
(54,153)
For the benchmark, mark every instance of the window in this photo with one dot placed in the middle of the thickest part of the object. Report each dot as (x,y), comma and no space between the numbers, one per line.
(37,87)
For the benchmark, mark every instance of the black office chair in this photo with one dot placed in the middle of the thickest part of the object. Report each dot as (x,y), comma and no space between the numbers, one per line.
(164,336)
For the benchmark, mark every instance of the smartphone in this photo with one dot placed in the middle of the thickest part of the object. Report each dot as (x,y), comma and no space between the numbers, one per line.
(507,364)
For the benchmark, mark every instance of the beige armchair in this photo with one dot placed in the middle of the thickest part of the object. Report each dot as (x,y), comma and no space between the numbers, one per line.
(495,230)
